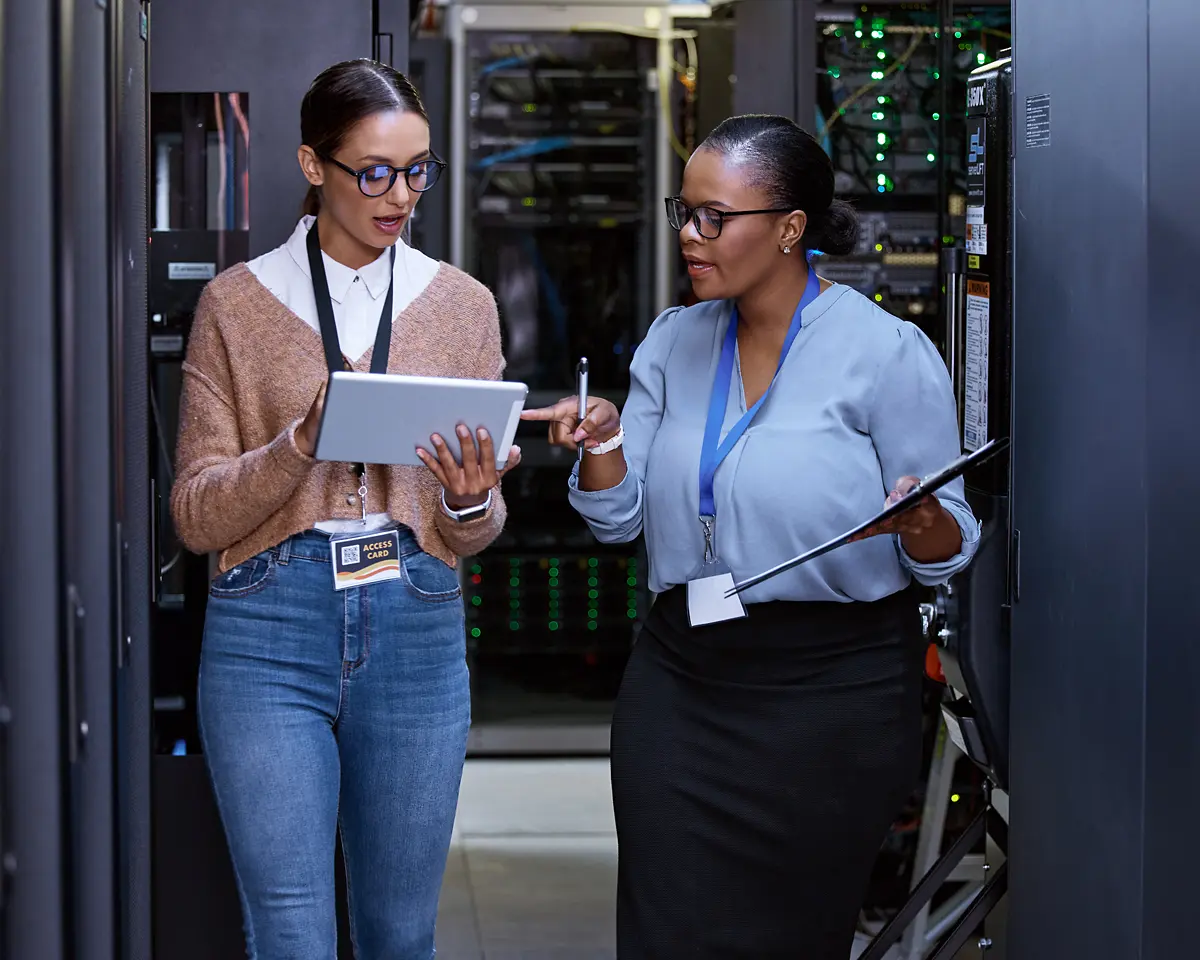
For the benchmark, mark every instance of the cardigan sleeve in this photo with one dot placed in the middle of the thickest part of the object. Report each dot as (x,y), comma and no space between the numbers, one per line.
(223,493)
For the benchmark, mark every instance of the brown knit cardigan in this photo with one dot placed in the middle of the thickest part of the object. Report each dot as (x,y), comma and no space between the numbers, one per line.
(253,368)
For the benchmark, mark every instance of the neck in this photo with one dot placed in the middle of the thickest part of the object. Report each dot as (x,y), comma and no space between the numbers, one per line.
(770,306)
(341,246)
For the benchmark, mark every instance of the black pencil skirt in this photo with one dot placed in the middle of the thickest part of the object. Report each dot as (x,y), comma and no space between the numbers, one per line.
(757,766)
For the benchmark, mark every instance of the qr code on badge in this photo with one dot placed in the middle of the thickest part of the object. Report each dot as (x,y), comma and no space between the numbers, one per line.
(350,555)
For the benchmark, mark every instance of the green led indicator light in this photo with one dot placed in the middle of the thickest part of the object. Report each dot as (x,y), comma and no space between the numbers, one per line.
(593,614)
(554,581)
(554,594)
(554,571)
(476,632)
(593,626)
(514,582)
(593,562)
(514,604)
(632,614)
(593,594)
(514,625)
(881,55)
(476,601)
(937,116)
(877,115)
(880,157)
(553,624)
(593,582)
(931,157)
(477,569)
(875,75)
(957,34)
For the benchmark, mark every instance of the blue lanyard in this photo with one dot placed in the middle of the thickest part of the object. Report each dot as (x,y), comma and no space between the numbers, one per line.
(711,455)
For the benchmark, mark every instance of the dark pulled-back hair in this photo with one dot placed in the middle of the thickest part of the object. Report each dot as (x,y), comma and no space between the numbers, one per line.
(340,97)
(796,174)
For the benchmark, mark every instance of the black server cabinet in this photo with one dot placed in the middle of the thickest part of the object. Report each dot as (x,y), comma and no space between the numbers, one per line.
(32,598)
(133,490)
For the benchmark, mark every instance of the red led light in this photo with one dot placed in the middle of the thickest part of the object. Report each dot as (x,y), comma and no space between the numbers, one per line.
(476,579)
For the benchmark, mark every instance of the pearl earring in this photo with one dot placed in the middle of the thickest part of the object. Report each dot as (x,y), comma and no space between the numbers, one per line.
(787,249)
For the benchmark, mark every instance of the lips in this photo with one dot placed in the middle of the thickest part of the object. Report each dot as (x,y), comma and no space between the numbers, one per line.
(390,225)
(697,268)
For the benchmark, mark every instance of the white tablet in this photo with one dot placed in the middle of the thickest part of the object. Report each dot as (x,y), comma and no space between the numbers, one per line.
(383,418)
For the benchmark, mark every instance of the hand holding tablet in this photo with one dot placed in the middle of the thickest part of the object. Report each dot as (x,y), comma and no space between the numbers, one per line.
(401,420)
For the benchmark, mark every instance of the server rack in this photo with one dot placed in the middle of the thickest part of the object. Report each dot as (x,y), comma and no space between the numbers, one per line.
(890,85)
(560,161)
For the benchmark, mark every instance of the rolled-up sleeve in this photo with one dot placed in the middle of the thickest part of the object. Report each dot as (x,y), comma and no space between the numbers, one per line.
(615,515)
(914,426)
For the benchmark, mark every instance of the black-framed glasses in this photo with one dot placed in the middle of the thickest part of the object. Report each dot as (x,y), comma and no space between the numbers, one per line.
(708,221)
(379,178)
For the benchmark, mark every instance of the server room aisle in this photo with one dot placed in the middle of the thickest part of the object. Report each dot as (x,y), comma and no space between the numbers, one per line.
(533,868)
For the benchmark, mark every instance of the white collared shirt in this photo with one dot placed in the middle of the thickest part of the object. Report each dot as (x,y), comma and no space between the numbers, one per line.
(358,297)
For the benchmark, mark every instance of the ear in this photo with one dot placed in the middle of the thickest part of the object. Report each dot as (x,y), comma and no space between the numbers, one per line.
(310,165)
(793,230)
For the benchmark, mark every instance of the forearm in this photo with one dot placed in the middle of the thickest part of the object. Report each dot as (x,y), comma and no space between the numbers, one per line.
(936,544)
(603,471)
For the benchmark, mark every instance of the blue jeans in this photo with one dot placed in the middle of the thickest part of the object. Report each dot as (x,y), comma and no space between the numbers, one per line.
(321,710)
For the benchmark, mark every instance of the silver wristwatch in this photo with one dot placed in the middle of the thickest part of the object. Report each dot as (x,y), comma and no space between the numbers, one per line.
(467,513)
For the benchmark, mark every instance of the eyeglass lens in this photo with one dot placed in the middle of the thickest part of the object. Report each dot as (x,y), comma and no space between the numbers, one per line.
(706,220)
(376,181)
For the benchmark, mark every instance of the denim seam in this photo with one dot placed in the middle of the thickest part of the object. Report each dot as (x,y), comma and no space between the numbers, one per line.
(343,673)
(249,591)
(365,629)
(422,595)
(349,890)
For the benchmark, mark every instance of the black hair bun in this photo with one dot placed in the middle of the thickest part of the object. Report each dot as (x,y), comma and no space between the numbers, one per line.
(836,233)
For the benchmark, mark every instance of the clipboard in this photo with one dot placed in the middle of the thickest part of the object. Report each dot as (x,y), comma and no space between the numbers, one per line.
(928,485)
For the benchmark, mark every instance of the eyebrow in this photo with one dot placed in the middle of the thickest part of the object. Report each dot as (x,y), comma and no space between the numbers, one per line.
(706,203)
(375,158)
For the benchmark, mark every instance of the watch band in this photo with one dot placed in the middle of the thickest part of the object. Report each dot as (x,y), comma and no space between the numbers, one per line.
(466,513)
(611,444)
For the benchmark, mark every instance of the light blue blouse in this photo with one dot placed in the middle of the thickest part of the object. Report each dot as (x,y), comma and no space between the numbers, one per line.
(862,399)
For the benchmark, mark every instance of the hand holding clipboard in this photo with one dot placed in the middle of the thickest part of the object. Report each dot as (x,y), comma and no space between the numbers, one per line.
(914,496)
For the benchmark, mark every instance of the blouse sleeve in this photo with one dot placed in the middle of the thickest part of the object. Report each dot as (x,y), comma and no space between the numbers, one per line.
(615,515)
(914,426)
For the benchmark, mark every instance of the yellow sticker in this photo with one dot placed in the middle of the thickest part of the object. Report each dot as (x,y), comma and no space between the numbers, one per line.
(973,261)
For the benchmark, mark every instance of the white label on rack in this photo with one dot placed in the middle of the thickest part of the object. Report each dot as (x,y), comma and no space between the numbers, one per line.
(977,238)
(975,374)
(974,215)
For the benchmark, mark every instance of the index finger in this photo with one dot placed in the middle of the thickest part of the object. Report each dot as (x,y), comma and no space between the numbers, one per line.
(568,407)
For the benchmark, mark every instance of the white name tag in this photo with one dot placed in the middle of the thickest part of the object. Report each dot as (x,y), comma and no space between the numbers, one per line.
(371,558)
(707,602)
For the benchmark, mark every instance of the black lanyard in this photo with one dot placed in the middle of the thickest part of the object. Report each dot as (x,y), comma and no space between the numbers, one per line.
(329,335)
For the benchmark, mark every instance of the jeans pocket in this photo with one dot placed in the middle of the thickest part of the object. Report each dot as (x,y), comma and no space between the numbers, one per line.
(247,578)
(429,579)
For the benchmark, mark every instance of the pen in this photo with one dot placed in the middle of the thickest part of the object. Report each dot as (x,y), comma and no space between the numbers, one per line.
(581,377)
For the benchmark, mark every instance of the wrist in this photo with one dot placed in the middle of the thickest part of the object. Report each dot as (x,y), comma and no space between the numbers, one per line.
(474,505)
(939,543)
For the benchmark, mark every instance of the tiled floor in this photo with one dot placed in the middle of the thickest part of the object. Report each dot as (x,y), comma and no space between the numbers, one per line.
(533,870)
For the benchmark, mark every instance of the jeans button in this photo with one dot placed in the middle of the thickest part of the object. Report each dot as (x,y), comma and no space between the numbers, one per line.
(350,499)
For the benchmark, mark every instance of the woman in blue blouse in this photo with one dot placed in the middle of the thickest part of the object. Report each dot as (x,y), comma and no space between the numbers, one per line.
(758,762)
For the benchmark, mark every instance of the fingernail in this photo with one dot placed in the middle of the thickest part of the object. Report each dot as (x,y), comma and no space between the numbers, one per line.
(517,452)
(462,432)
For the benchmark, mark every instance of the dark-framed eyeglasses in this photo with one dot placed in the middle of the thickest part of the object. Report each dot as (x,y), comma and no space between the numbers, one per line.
(708,221)
(379,178)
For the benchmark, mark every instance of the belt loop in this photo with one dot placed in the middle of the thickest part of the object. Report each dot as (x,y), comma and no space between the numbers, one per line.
(285,551)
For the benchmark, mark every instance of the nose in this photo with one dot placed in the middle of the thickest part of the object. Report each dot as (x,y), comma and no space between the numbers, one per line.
(689,233)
